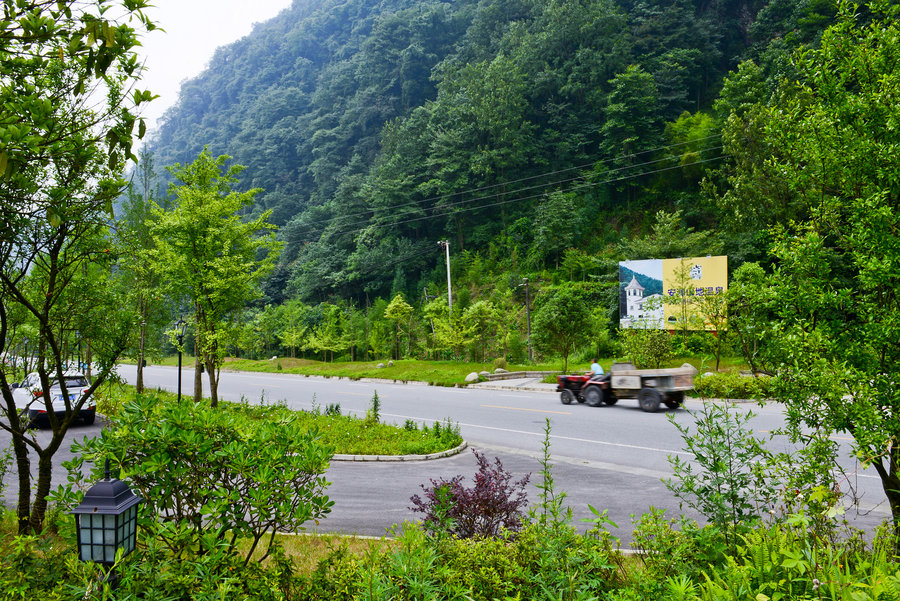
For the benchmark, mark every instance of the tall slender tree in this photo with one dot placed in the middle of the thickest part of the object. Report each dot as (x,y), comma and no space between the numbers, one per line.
(211,255)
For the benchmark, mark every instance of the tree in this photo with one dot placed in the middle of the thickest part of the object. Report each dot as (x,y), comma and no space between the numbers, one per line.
(647,348)
(833,293)
(67,71)
(561,322)
(556,227)
(295,330)
(669,239)
(633,124)
(400,312)
(211,255)
(482,321)
(144,282)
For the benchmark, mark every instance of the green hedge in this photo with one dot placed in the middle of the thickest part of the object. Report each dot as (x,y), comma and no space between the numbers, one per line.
(732,385)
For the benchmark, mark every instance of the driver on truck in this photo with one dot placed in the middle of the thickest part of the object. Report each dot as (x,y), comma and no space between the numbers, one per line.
(596,370)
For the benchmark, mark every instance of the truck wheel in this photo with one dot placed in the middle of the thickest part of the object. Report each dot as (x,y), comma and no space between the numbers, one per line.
(566,397)
(674,400)
(609,398)
(649,399)
(593,396)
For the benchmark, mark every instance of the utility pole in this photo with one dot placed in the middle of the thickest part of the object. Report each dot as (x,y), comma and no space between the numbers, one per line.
(527,315)
(428,298)
(446,245)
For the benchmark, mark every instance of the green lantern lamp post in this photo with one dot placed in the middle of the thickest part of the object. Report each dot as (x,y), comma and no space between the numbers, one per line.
(106,521)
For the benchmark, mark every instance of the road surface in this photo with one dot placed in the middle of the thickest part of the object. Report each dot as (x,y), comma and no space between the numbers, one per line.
(613,458)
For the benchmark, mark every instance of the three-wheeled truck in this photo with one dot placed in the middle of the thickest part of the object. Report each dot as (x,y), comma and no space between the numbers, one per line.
(649,386)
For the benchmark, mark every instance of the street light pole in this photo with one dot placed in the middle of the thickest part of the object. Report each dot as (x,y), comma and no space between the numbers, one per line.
(180,325)
(446,245)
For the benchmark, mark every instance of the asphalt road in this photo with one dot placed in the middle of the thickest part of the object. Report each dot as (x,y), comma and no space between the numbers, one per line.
(613,458)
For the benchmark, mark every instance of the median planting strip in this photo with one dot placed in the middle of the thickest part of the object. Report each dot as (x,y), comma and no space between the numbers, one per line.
(448,453)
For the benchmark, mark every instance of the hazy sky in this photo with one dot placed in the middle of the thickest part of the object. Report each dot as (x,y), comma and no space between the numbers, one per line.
(193,30)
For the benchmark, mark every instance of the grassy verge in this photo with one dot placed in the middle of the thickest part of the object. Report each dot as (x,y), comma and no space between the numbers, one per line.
(439,373)
(346,434)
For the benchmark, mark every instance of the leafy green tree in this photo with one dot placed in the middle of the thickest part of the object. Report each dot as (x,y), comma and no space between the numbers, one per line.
(632,125)
(647,348)
(751,317)
(670,239)
(67,76)
(400,313)
(211,255)
(561,322)
(482,322)
(144,280)
(331,334)
(556,226)
(265,479)
(294,327)
(833,291)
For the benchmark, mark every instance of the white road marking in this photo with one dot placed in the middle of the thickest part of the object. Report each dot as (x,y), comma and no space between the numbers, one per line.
(525,409)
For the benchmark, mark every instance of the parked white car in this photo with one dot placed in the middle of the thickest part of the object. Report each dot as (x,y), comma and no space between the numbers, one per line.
(30,399)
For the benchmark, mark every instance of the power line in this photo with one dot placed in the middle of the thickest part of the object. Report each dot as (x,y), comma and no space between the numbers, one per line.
(426,249)
(594,164)
(446,209)
(503,202)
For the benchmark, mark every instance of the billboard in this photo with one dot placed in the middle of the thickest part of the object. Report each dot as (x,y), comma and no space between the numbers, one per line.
(663,293)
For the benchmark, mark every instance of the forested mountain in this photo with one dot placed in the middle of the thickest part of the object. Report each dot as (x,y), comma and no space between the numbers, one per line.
(515,129)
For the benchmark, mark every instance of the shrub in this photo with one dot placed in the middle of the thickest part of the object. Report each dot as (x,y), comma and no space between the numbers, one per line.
(731,385)
(222,477)
(492,505)
(500,363)
(373,415)
(487,568)
(647,348)
(33,567)
(337,577)
(725,480)
(669,547)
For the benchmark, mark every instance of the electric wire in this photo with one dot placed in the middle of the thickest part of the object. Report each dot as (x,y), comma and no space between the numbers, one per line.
(446,209)
(593,164)
(503,202)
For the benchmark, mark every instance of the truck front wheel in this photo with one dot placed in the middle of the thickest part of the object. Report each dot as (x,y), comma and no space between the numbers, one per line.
(593,396)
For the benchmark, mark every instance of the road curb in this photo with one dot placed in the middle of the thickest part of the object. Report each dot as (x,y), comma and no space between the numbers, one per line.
(429,457)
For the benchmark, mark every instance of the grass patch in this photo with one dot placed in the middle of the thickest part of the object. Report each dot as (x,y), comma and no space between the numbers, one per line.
(346,434)
(440,373)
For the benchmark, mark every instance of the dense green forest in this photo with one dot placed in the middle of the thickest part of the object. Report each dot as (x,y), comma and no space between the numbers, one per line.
(534,135)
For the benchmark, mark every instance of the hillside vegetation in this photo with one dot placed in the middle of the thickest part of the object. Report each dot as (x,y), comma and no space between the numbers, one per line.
(517,130)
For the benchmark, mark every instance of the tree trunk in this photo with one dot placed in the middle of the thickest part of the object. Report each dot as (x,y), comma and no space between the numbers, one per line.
(198,373)
(139,384)
(23,464)
(45,473)
(213,383)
